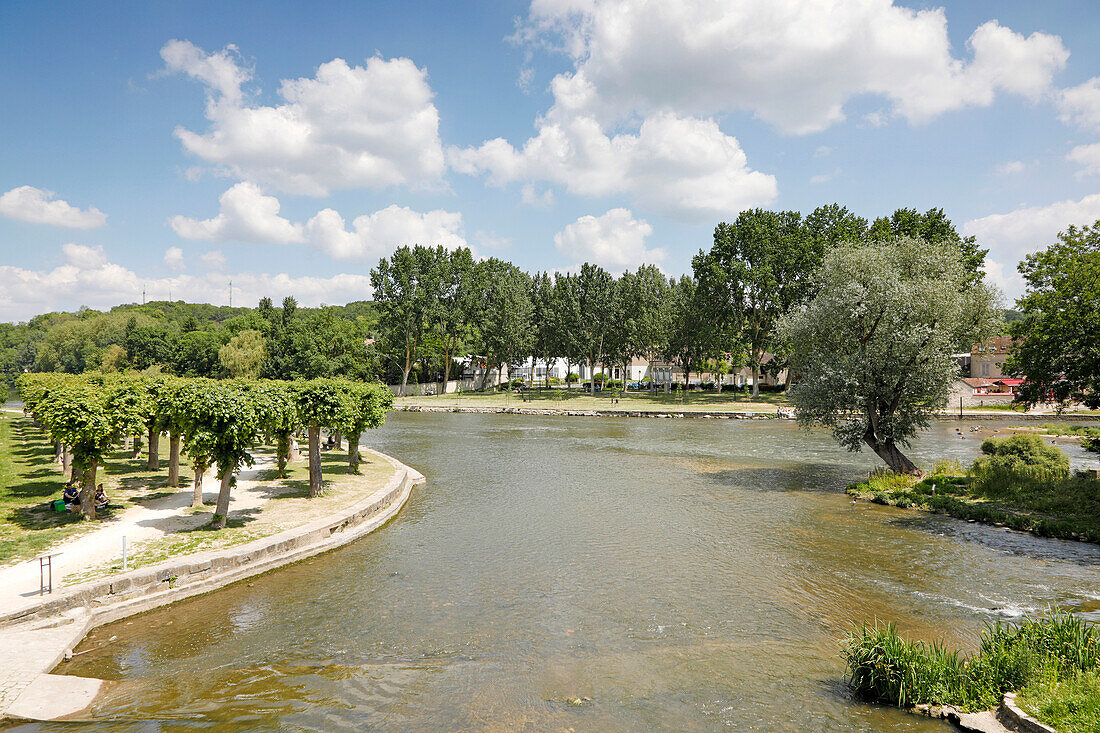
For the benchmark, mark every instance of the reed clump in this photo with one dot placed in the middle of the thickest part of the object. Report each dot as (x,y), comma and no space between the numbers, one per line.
(887,667)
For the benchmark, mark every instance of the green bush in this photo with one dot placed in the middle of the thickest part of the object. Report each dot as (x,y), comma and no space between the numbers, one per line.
(889,668)
(572,377)
(1024,450)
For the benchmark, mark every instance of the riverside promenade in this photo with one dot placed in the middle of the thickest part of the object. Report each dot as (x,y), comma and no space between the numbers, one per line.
(38,631)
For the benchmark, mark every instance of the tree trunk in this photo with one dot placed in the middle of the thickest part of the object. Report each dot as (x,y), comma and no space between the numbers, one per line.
(136,453)
(282,452)
(77,474)
(339,441)
(894,458)
(66,462)
(314,460)
(87,491)
(58,452)
(353,452)
(755,377)
(294,453)
(154,449)
(200,469)
(221,511)
(173,458)
(405,371)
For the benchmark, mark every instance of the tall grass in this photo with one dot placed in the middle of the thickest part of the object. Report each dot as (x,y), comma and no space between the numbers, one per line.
(887,667)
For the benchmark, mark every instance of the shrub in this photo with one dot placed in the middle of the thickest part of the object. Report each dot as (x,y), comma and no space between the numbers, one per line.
(1024,449)
(614,384)
(572,377)
(887,667)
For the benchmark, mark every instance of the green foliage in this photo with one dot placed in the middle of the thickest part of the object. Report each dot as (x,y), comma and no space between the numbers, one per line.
(875,341)
(1057,341)
(1023,451)
(1041,497)
(243,355)
(888,668)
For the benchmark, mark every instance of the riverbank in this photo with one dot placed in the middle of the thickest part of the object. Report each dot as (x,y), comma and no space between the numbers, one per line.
(40,630)
(1065,508)
(1048,667)
(725,406)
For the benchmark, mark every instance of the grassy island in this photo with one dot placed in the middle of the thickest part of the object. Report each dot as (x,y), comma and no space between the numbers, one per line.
(1019,482)
(1052,662)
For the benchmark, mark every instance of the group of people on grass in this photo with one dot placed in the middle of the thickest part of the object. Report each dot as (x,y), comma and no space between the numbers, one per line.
(71,496)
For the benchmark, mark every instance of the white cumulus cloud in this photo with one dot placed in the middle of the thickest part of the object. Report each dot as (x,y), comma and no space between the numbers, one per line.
(615,240)
(346,127)
(684,167)
(213,260)
(793,63)
(173,257)
(1027,229)
(1088,157)
(1080,105)
(88,278)
(375,235)
(27,203)
(246,215)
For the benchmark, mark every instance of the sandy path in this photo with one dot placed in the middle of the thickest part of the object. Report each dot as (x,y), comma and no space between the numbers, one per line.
(19,583)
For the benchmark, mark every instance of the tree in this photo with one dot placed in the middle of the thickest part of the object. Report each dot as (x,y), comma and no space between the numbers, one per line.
(322,403)
(758,268)
(595,288)
(505,322)
(692,339)
(934,227)
(875,341)
(402,289)
(368,405)
(90,416)
(455,307)
(242,356)
(648,313)
(545,341)
(1057,342)
(223,420)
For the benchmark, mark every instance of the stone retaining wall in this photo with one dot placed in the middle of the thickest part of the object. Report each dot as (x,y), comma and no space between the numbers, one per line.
(35,640)
(177,578)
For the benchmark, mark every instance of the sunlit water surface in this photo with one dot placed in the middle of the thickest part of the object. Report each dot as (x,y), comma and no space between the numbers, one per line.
(686,575)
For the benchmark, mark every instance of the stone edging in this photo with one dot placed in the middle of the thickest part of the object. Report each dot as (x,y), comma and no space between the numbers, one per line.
(67,617)
(783,413)
(600,413)
(1016,719)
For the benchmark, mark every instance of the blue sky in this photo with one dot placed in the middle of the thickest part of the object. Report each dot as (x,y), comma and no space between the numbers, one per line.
(287,146)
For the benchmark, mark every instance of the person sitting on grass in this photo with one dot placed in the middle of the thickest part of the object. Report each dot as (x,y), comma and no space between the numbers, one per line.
(71,494)
(101,500)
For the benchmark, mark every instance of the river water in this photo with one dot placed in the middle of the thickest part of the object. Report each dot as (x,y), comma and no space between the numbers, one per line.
(682,575)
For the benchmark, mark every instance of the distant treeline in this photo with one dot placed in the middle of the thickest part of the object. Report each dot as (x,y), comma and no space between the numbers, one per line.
(432,307)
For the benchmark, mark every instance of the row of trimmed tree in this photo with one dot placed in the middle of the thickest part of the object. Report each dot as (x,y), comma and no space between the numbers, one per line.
(217,423)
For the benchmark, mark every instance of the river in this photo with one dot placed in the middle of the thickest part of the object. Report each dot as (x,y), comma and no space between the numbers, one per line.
(677,574)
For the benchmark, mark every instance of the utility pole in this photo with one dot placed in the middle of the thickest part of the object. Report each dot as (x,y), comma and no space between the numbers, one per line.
(143,293)
(230,293)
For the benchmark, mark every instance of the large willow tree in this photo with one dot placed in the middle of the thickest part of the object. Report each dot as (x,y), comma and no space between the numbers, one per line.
(875,341)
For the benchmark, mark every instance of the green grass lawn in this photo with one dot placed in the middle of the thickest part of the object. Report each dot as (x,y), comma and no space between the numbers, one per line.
(288,506)
(578,399)
(1068,508)
(30,479)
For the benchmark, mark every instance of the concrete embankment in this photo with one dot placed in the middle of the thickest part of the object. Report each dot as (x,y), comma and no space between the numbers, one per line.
(712,414)
(36,638)
(782,413)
